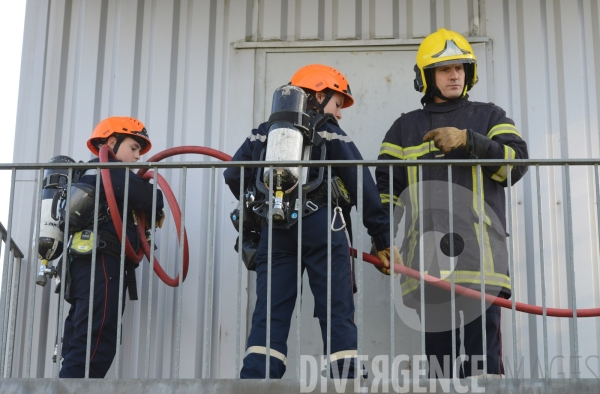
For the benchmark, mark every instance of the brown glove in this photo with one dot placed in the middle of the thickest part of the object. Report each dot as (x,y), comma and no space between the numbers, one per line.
(384,256)
(447,138)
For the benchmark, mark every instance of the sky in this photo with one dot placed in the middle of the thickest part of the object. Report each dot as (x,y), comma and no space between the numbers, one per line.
(12,16)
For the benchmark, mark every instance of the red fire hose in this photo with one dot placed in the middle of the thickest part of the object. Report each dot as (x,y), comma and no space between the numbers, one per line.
(431,280)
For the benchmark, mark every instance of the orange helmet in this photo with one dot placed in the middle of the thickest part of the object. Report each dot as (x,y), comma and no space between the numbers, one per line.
(318,77)
(125,126)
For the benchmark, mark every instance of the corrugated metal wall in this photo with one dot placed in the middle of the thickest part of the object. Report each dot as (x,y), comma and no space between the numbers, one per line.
(190,70)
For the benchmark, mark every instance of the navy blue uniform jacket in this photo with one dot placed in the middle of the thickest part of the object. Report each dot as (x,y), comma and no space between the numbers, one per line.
(338,147)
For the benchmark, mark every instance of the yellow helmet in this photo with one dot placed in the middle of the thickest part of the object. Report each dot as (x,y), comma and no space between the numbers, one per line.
(440,48)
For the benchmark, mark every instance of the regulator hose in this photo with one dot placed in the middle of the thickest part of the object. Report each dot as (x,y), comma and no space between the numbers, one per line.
(431,280)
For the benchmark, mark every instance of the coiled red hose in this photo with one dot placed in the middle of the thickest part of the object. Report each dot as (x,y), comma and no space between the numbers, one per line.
(431,280)
(136,257)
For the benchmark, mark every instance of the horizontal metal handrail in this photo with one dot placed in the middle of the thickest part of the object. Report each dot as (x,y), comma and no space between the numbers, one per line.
(307,163)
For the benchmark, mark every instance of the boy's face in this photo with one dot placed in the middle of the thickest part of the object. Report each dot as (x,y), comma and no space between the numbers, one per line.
(334,106)
(129,150)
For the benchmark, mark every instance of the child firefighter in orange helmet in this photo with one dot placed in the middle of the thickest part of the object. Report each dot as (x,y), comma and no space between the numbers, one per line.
(128,139)
(328,93)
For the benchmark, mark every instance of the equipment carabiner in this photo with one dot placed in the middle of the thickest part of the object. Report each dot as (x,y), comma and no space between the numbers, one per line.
(338,211)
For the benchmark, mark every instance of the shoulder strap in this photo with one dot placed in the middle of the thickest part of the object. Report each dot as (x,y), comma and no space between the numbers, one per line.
(317,120)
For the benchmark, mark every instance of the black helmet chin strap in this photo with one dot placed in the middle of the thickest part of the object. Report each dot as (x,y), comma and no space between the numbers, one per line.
(120,139)
(320,107)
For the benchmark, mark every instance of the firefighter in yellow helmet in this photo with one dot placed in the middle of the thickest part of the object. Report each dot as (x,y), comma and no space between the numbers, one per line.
(450,126)
(325,92)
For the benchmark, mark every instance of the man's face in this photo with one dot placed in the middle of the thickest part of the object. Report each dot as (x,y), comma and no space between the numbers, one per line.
(450,80)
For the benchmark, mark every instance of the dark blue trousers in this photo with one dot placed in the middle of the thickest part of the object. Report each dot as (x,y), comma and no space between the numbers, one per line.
(284,292)
(438,344)
(104,321)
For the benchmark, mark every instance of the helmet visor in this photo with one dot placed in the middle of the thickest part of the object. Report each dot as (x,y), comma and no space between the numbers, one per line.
(453,61)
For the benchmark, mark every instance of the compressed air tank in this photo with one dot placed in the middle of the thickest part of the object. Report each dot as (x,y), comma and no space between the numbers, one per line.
(285,140)
(50,244)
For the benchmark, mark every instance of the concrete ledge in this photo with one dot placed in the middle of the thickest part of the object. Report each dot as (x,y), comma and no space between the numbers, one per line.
(235,386)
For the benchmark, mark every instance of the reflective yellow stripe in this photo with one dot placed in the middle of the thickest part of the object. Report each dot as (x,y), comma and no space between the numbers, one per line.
(488,258)
(343,354)
(409,152)
(509,154)
(392,150)
(263,350)
(385,199)
(464,277)
(503,128)
(414,204)
(413,152)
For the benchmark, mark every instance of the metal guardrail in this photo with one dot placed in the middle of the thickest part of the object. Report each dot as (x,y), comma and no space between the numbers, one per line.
(11,269)
(9,294)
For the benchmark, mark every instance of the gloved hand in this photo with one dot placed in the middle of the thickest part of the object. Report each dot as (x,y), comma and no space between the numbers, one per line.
(384,256)
(447,138)
(160,219)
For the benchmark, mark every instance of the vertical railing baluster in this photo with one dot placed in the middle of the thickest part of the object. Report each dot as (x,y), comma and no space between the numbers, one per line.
(542,269)
(269,272)
(150,270)
(571,273)
(65,253)
(181,258)
(36,241)
(359,271)
(122,274)
(210,274)
(3,292)
(511,266)
(238,327)
(452,262)
(300,204)
(480,205)
(92,278)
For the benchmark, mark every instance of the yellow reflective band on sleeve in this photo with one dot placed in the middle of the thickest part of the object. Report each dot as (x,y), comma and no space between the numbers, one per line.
(343,354)
(414,152)
(263,350)
(385,199)
(503,128)
(408,153)
(509,154)
(392,150)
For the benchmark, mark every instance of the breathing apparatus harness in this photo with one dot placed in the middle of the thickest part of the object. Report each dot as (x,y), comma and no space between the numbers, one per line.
(292,134)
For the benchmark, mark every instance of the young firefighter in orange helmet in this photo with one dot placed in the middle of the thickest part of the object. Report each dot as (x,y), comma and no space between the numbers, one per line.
(128,139)
(451,127)
(328,93)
